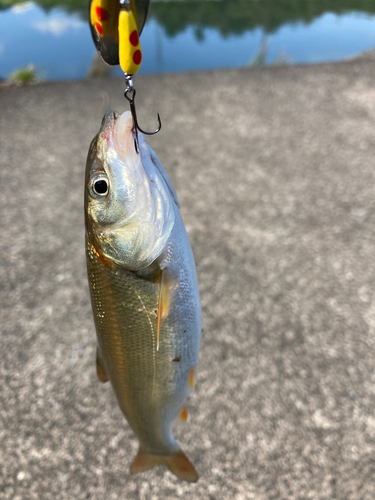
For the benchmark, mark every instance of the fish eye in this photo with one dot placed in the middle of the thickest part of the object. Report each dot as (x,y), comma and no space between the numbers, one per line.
(99,185)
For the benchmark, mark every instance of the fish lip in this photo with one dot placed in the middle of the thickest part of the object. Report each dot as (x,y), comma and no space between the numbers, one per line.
(109,119)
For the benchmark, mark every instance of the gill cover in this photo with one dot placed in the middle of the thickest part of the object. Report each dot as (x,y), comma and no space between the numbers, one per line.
(132,221)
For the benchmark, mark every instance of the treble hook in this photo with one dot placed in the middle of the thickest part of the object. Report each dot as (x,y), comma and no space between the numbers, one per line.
(130,96)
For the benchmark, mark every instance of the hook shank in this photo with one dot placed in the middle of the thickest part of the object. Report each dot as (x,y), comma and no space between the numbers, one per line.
(130,96)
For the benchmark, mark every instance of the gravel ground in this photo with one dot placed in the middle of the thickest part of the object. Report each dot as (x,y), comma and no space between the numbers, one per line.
(274,169)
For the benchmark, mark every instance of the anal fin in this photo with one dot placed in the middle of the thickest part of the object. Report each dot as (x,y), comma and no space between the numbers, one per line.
(183,415)
(100,370)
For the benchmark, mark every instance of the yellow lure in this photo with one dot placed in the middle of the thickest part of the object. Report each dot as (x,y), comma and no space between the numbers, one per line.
(130,50)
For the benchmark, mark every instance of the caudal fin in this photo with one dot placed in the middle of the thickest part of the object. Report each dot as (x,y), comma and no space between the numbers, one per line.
(178,464)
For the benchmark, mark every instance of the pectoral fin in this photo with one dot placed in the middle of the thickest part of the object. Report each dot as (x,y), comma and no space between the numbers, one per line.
(167,285)
(100,370)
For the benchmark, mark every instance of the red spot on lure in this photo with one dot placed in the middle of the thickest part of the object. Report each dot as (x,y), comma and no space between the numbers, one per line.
(134,40)
(99,28)
(137,57)
(102,14)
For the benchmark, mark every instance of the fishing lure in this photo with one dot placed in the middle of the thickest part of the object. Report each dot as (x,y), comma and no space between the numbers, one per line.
(116,28)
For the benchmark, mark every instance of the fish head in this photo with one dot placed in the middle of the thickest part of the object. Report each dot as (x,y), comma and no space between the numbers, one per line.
(129,209)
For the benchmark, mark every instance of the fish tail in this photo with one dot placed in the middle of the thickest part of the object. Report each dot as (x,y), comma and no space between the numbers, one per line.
(178,464)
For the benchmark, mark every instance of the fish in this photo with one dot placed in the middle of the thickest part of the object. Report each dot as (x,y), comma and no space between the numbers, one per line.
(144,291)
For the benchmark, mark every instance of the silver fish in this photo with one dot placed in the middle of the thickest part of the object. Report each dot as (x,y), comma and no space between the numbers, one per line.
(144,290)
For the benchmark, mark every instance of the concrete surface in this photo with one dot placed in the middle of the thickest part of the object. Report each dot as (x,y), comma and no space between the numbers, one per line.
(274,169)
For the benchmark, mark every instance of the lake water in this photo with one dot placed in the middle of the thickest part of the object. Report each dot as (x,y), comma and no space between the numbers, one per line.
(59,43)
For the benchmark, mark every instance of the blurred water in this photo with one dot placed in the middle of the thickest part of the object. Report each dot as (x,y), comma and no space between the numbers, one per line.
(59,44)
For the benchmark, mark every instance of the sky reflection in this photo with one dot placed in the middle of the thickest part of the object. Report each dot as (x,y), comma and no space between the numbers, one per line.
(60,46)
